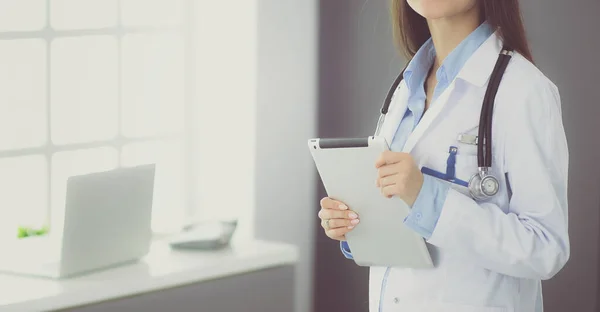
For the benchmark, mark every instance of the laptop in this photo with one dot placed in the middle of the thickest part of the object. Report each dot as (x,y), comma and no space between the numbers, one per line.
(107,222)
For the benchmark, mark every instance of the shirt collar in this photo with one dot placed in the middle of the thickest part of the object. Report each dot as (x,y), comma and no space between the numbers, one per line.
(418,68)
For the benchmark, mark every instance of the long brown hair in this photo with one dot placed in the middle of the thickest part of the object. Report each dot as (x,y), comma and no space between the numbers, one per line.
(411,30)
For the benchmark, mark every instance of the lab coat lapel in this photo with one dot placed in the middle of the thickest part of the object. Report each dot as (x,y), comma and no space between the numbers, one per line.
(428,119)
(395,113)
(476,71)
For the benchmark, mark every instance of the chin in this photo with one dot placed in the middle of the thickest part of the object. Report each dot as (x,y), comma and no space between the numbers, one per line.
(437,9)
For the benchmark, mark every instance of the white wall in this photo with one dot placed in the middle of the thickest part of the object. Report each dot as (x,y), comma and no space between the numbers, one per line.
(287,82)
(256,70)
(225,35)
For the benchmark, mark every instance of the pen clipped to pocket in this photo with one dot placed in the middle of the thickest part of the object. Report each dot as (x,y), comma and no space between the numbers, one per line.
(450,174)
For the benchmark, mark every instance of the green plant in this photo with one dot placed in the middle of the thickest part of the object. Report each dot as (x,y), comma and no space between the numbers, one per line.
(28,231)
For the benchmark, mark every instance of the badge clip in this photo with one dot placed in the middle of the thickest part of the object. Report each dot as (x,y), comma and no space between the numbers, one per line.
(467,139)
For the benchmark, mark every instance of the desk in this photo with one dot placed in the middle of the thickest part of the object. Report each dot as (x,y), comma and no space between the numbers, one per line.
(190,278)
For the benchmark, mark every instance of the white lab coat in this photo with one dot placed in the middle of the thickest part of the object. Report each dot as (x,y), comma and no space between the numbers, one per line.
(489,256)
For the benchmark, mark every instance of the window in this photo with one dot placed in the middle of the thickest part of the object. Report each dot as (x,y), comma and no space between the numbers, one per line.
(86,86)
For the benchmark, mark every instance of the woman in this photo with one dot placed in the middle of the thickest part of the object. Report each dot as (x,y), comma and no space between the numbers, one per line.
(490,254)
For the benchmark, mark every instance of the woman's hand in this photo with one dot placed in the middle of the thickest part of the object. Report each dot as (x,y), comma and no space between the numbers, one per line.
(336,218)
(399,175)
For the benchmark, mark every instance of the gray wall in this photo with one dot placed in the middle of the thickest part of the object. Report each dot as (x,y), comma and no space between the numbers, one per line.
(285,196)
(561,34)
(357,63)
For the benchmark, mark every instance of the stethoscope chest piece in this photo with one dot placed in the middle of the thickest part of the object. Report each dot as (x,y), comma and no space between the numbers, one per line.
(483,186)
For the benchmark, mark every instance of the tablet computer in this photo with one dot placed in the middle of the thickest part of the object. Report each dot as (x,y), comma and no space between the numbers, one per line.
(347,168)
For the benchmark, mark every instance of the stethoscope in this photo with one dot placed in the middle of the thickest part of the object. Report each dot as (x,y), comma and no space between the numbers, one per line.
(483,184)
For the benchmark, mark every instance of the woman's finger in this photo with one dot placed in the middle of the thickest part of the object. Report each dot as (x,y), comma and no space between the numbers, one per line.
(390,190)
(336,233)
(337,214)
(338,223)
(387,181)
(329,203)
(387,170)
(389,157)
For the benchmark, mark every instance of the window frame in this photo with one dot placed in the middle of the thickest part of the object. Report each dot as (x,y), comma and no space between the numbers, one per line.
(48,34)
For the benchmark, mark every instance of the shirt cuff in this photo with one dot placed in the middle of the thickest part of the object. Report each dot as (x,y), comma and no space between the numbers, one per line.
(427,209)
(346,250)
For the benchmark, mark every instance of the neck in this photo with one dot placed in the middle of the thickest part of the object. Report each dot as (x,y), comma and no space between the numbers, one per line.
(449,32)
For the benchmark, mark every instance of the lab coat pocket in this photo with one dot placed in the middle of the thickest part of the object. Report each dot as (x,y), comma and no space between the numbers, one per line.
(466,167)
(453,167)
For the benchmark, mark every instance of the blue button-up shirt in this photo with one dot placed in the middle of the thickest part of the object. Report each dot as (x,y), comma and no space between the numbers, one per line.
(427,208)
